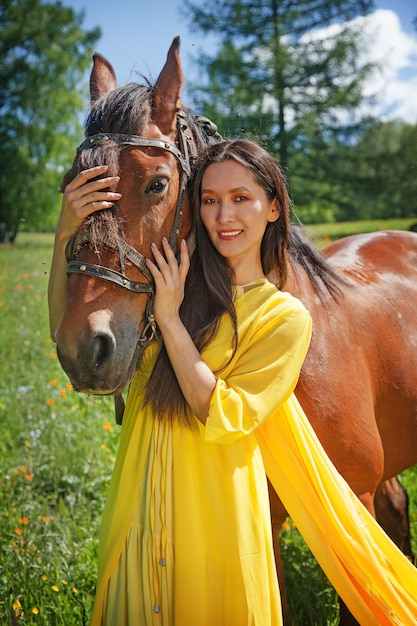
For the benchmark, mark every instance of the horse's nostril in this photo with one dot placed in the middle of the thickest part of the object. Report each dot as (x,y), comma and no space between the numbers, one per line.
(92,362)
(103,346)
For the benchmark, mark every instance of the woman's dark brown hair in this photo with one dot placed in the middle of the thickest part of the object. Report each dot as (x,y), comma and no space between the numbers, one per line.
(208,290)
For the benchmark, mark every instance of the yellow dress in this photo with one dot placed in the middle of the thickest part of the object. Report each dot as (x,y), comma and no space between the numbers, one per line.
(186,536)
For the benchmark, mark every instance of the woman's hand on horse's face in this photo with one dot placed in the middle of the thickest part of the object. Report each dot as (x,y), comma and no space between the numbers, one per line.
(83,196)
(169,277)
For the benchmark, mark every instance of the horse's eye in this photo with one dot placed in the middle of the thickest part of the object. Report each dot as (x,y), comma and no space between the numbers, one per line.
(157,186)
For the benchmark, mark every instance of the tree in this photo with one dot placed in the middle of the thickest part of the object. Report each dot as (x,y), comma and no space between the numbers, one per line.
(383,165)
(44,54)
(290,73)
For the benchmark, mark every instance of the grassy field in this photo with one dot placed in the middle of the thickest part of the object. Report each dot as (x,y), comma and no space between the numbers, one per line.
(56,456)
(323,234)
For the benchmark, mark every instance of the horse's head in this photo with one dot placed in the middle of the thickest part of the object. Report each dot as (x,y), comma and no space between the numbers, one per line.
(143,136)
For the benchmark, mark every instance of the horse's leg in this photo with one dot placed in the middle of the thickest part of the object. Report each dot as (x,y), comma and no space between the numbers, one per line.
(278,516)
(391,508)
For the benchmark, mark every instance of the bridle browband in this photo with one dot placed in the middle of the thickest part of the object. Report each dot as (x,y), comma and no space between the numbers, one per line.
(184,154)
(135,140)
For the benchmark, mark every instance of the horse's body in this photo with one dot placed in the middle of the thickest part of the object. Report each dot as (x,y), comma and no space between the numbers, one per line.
(358,385)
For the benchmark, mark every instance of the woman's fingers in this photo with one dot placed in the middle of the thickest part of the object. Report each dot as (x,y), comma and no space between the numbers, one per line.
(84,176)
(158,256)
(93,201)
(167,266)
(83,196)
(185,260)
(169,277)
(88,195)
(170,257)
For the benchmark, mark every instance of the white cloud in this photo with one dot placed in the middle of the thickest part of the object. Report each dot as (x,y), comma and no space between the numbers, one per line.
(395,85)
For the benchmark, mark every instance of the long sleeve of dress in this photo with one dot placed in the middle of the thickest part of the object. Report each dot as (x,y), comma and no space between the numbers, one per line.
(273,341)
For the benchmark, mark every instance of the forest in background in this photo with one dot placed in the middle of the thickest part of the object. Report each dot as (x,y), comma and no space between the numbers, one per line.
(289,75)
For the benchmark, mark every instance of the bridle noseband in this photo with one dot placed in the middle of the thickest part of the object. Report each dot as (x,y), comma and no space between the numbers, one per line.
(184,154)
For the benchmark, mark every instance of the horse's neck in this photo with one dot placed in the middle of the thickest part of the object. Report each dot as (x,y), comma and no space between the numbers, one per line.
(298,283)
(314,295)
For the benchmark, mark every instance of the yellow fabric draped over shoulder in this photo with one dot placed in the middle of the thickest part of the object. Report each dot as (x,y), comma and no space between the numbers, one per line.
(376,581)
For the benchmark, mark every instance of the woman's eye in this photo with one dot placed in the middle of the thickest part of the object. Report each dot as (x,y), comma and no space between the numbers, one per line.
(157,186)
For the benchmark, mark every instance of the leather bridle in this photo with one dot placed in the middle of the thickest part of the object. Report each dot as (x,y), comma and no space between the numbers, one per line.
(184,154)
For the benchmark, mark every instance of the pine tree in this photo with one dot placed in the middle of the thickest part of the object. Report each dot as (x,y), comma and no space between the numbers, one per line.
(290,74)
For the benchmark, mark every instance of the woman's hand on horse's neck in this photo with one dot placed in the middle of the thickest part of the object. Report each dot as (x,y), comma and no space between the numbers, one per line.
(195,378)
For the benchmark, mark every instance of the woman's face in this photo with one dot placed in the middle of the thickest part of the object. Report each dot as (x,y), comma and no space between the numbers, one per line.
(235,210)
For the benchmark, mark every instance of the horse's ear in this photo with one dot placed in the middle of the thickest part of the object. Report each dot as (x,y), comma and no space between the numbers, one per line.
(102,78)
(167,91)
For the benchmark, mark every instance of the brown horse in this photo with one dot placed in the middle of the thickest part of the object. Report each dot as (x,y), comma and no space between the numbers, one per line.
(358,385)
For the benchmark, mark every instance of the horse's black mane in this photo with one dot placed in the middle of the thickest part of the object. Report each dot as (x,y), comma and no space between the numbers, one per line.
(124,110)
(319,271)
(127,110)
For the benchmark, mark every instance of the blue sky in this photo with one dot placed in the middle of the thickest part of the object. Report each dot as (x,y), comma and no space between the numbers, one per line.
(136,35)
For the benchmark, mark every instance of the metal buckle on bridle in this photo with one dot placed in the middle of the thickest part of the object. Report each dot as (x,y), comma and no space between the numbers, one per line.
(149,330)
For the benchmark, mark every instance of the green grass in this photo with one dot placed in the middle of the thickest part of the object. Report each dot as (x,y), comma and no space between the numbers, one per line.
(56,455)
(57,451)
(323,234)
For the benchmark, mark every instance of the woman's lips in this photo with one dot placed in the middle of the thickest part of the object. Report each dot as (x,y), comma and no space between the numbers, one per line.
(228,234)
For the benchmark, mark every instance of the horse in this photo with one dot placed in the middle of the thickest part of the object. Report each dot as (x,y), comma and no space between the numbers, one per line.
(358,384)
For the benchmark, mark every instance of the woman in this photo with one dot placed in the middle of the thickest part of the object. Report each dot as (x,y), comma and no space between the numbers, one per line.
(186,535)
